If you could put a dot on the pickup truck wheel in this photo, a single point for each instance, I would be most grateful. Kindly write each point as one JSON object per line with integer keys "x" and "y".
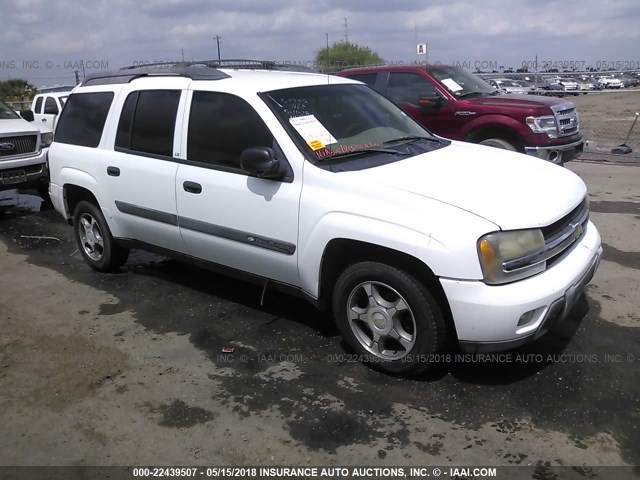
{"x": 498, "y": 143}
{"x": 94, "y": 239}
{"x": 389, "y": 318}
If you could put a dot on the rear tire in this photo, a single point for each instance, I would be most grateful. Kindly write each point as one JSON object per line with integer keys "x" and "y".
{"x": 388, "y": 318}
{"x": 498, "y": 143}
{"x": 94, "y": 239}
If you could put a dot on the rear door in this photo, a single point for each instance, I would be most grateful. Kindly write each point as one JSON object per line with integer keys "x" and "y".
{"x": 139, "y": 174}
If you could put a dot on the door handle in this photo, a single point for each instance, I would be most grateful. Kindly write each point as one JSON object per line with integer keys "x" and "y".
{"x": 44, "y": 119}
{"x": 113, "y": 171}
{"x": 192, "y": 187}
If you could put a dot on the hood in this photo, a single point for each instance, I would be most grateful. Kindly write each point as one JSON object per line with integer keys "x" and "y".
{"x": 17, "y": 126}
{"x": 517, "y": 101}
{"x": 511, "y": 190}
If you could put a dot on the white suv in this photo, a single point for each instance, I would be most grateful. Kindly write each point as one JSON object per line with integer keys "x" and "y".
{"x": 321, "y": 186}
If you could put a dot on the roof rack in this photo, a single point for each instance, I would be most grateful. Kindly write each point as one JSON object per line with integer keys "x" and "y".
{"x": 237, "y": 63}
{"x": 196, "y": 70}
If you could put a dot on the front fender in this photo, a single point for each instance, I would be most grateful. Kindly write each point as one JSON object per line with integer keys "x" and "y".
{"x": 334, "y": 225}
{"x": 494, "y": 121}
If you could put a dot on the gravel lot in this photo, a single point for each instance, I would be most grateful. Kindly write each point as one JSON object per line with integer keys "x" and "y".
{"x": 128, "y": 369}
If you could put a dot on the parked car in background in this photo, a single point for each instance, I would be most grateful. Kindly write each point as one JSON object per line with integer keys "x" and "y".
{"x": 320, "y": 186}
{"x": 585, "y": 84}
{"x": 550, "y": 85}
{"x": 454, "y": 103}
{"x": 46, "y": 107}
{"x": 23, "y": 148}
{"x": 506, "y": 85}
{"x": 569, "y": 85}
{"x": 609, "y": 83}
{"x": 629, "y": 81}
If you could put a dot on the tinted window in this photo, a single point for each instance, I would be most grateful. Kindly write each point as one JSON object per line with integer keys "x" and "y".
{"x": 83, "y": 117}
{"x": 123, "y": 135}
{"x": 221, "y": 126}
{"x": 368, "y": 78}
{"x": 148, "y": 120}
{"x": 38, "y": 105}
{"x": 405, "y": 87}
{"x": 50, "y": 106}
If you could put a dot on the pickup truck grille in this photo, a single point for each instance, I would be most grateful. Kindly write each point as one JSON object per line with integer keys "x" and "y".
{"x": 559, "y": 237}
{"x": 567, "y": 119}
{"x": 18, "y": 145}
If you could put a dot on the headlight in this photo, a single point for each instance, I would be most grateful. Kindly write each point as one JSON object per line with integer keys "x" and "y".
{"x": 46, "y": 139}
{"x": 509, "y": 256}
{"x": 545, "y": 124}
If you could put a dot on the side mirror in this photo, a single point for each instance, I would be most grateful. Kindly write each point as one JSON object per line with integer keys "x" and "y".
{"x": 431, "y": 101}
{"x": 27, "y": 115}
{"x": 260, "y": 162}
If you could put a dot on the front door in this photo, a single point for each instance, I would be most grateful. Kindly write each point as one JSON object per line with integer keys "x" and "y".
{"x": 226, "y": 216}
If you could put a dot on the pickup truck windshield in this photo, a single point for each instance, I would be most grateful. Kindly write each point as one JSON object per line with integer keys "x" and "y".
{"x": 340, "y": 121}
{"x": 6, "y": 112}
{"x": 460, "y": 82}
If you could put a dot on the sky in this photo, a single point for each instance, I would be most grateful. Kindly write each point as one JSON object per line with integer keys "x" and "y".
{"x": 44, "y": 41}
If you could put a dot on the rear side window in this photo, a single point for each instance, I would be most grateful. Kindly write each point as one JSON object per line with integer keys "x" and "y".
{"x": 50, "y": 106}
{"x": 147, "y": 122}
{"x": 368, "y": 78}
{"x": 82, "y": 119}
{"x": 38, "y": 106}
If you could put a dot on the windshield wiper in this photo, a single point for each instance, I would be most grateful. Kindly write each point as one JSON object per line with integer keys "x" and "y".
{"x": 410, "y": 138}
{"x": 363, "y": 151}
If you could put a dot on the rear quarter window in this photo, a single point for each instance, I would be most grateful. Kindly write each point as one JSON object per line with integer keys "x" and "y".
{"x": 82, "y": 120}
{"x": 368, "y": 78}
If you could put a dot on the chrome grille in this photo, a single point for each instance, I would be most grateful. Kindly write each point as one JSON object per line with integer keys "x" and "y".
{"x": 567, "y": 119}
{"x": 558, "y": 238}
{"x": 18, "y": 145}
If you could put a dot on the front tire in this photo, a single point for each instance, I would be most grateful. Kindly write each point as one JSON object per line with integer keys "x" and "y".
{"x": 94, "y": 239}
{"x": 388, "y": 318}
{"x": 498, "y": 143}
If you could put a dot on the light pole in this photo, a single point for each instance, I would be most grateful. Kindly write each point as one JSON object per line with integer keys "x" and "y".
{"x": 217, "y": 39}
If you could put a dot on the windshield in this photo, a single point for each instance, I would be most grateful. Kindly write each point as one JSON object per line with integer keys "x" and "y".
{"x": 460, "y": 82}
{"x": 338, "y": 121}
{"x": 6, "y": 112}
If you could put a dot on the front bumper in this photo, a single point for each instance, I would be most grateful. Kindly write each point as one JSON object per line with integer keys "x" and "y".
{"x": 24, "y": 172}
{"x": 557, "y": 154}
{"x": 486, "y": 317}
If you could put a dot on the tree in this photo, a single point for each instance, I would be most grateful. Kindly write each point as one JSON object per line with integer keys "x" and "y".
{"x": 16, "y": 90}
{"x": 343, "y": 55}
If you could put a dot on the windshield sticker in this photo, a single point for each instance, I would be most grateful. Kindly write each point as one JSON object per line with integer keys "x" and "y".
{"x": 345, "y": 149}
{"x": 451, "y": 84}
{"x": 313, "y": 132}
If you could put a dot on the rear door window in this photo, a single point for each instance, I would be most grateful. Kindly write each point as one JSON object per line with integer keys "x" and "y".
{"x": 147, "y": 122}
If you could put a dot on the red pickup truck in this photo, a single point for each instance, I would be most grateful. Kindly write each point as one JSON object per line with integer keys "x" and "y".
{"x": 456, "y": 104}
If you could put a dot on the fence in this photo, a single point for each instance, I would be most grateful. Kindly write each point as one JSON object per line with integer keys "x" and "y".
{"x": 605, "y": 121}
